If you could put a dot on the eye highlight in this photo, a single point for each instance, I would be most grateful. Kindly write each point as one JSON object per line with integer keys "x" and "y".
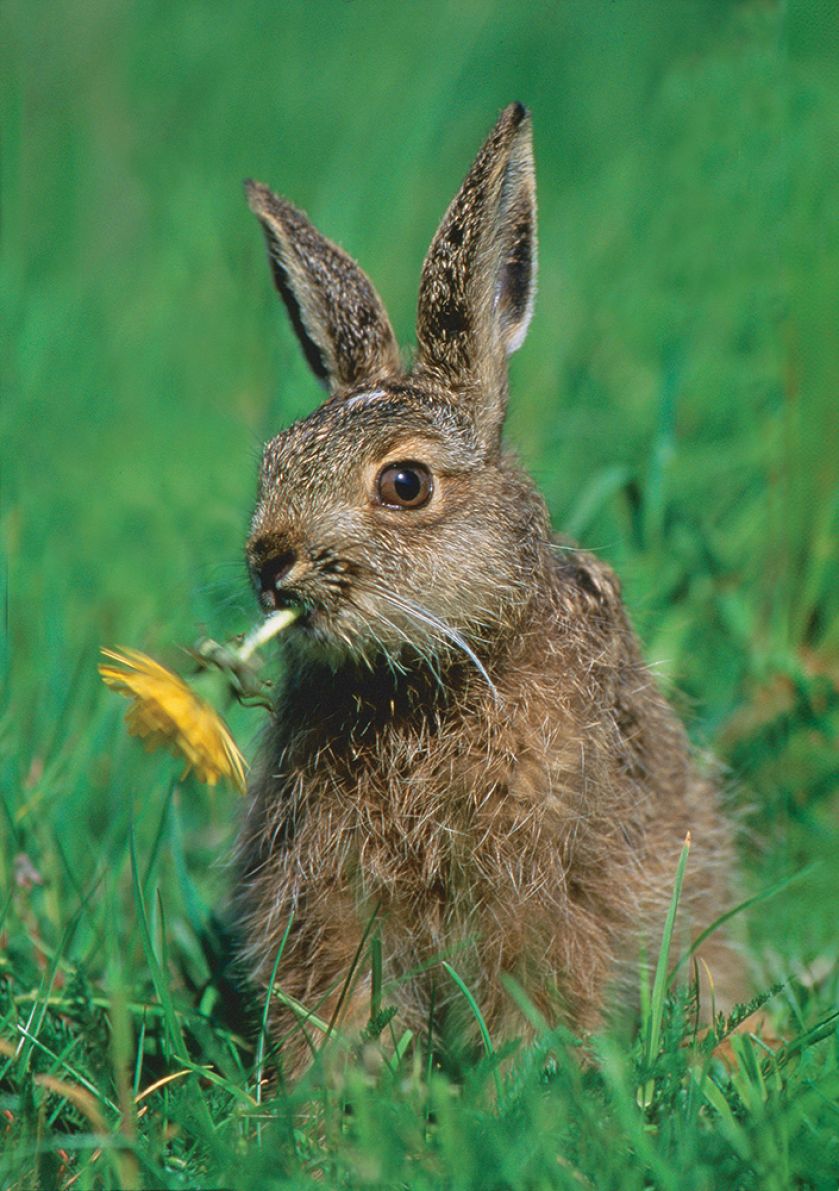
{"x": 404, "y": 485}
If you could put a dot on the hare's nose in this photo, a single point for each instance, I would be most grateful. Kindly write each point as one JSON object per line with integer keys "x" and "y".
{"x": 271, "y": 576}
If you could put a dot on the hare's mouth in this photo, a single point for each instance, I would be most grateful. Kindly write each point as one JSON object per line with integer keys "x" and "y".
{"x": 276, "y": 599}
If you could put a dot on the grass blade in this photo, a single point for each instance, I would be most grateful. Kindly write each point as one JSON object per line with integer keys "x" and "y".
{"x": 353, "y": 967}
{"x": 174, "y": 1032}
{"x": 375, "y": 977}
{"x": 263, "y": 1026}
{"x": 479, "y": 1018}
{"x": 660, "y": 983}
{"x": 755, "y": 900}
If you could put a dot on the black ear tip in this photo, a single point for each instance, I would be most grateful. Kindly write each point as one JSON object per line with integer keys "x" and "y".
{"x": 259, "y": 196}
{"x": 517, "y": 113}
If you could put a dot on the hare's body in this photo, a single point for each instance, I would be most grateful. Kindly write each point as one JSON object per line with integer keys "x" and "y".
{"x": 467, "y": 746}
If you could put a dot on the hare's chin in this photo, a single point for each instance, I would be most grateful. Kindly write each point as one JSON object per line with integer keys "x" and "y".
{"x": 315, "y": 640}
{"x": 335, "y": 638}
{"x": 316, "y": 625}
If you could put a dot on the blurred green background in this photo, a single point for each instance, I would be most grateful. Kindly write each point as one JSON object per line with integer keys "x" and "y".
{"x": 676, "y": 398}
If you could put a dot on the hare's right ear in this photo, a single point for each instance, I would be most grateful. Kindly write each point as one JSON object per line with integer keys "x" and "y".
{"x": 479, "y": 277}
{"x": 336, "y": 313}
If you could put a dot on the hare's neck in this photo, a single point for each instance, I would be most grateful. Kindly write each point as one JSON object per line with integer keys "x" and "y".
{"x": 353, "y": 701}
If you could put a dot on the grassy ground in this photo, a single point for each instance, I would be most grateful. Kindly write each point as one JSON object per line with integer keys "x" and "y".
{"x": 676, "y": 399}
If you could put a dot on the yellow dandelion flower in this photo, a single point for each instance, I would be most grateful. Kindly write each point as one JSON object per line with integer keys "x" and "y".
{"x": 165, "y": 711}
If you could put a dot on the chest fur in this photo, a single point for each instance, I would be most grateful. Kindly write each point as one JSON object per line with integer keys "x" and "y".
{"x": 427, "y": 828}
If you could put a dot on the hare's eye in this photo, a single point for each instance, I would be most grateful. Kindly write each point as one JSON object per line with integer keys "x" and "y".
{"x": 404, "y": 485}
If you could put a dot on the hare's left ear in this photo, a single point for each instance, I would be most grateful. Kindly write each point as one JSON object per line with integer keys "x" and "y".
{"x": 336, "y": 313}
{"x": 479, "y": 278}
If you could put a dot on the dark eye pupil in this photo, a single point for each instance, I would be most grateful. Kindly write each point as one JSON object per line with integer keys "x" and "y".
{"x": 407, "y": 485}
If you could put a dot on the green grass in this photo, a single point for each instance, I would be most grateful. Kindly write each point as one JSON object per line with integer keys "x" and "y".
{"x": 676, "y": 400}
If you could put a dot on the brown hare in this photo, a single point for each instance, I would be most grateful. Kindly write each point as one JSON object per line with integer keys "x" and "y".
{"x": 466, "y": 744}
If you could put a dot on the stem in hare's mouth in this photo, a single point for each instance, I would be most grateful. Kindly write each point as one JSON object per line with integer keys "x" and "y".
{"x": 273, "y": 624}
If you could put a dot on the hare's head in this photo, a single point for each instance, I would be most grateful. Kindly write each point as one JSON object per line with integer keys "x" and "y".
{"x": 390, "y": 515}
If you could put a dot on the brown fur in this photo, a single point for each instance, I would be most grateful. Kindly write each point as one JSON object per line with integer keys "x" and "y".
{"x": 467, "y": 742}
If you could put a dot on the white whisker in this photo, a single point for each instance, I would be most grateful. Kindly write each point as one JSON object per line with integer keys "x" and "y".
{"x": 425, "y": 617}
